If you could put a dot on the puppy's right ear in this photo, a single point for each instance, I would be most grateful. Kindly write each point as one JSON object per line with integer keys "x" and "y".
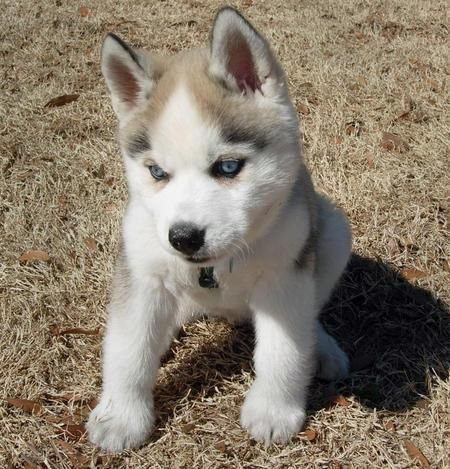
{"x": 125, "y": 75}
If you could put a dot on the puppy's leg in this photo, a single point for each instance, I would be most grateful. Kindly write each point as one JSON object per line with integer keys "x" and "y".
{"x": 334, "y": 246}
{"x": 333, "y": 251}
{"x": 333, "y": 363}
{"x": 285, "y": 315}
{"x": 141, "y": 317}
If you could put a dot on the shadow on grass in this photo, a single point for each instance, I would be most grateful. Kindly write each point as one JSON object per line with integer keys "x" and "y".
{"x": 396, "y": 334}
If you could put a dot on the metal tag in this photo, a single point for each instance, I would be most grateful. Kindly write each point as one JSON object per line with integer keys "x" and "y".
{"x": 206, "y": 278}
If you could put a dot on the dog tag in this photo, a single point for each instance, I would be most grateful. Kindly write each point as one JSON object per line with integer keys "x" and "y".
{"x": 206, "y": 278}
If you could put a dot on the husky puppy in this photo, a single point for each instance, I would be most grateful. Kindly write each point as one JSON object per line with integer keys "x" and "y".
{"x": 222, "y": 219}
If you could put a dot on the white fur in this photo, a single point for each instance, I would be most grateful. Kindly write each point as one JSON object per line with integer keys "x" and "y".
{"x": 260, "y": 225}
{"x": 282, "y": 302}
{"x": 134, "y": 341}
{"x": 283, "y": 306}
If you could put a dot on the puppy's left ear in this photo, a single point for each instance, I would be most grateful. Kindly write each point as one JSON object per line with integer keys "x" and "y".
{"x": 241, "y": 58}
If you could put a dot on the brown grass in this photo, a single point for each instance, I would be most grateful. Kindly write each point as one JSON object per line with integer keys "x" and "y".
{"x": 357, "y": 69}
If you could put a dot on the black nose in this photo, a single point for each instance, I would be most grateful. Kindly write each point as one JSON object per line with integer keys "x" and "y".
{"x": 186, "y": 238}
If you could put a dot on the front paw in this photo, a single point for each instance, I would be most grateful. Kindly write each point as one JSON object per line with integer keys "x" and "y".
{"x": 116, "y": 425}
{"x": 270, "y": 419}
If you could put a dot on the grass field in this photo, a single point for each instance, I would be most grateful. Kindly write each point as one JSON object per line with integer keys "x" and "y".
{"x": 370, "y": 80}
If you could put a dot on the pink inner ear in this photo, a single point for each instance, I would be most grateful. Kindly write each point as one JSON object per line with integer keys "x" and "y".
{"x": 241, "y": 65}
{"x": 125, "y": 82}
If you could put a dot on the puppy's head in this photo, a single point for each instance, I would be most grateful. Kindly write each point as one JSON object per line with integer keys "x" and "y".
{"x": 209, "y": 137}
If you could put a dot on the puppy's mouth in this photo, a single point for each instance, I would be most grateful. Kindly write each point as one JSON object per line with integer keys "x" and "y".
{"x": 201, "y": 260}
{"x": 204, "y": 261}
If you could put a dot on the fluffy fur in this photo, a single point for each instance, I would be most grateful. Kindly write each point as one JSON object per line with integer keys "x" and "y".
{"x": 277, "y": 247}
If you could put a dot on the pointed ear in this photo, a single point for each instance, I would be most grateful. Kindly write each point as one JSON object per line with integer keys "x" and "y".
{"x": 240, "y": 57}
{"x": 124, "y": 72}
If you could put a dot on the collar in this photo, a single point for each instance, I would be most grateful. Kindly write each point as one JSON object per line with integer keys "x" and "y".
{"x": 206, "y": 278}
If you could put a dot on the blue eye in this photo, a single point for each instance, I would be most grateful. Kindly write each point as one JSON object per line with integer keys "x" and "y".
{"x": 157, "y": 172}
{"x": 227, "y": 168}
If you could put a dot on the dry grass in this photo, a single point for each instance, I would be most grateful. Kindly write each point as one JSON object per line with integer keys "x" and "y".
{"x": 383, "y": 65}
